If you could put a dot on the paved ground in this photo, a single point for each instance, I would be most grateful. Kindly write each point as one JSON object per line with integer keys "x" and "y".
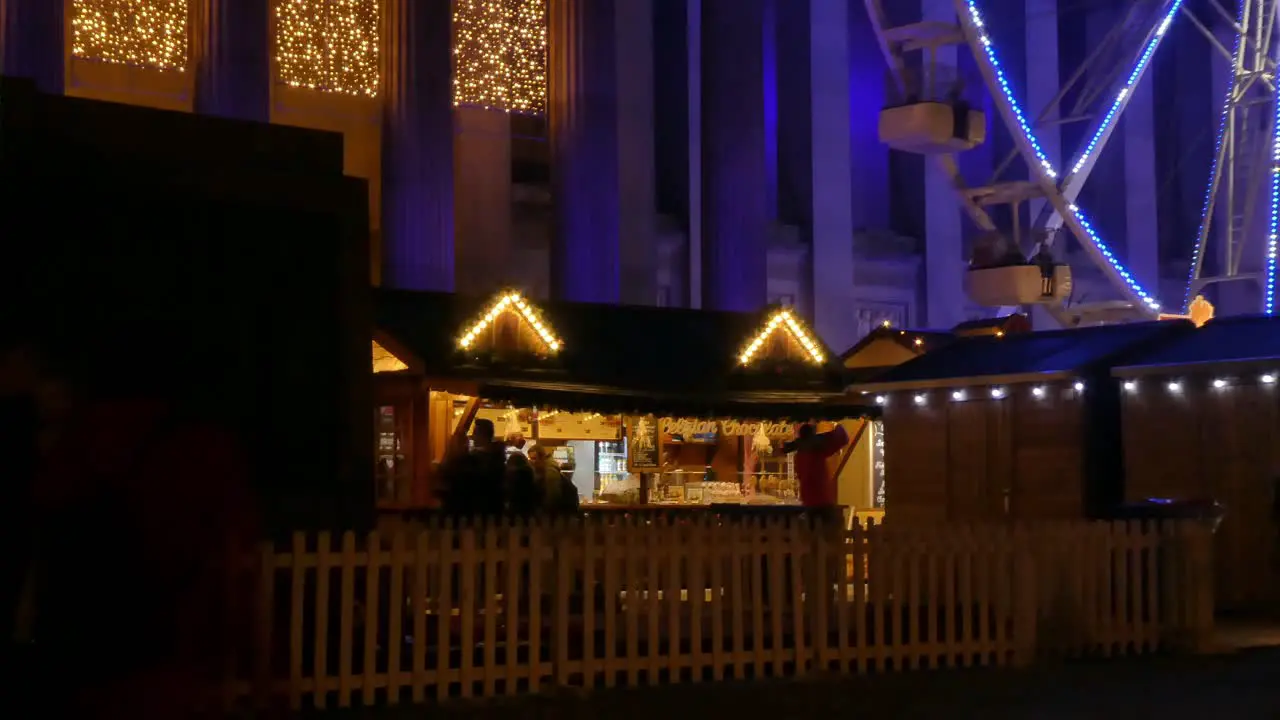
{"x": 1241, "y": 686}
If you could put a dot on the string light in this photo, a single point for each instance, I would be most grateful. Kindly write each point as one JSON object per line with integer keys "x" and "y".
{"x": 997, "y": 393}
{"x": 500, "y": 55}
{"x": 957, "y": 395}
{"x": 881, "y": 399}
{"x": 977, "y": 27}
{"x": 1175, "y": 387}
{"x": 1130, "y": 386}
{"x": 511, "y": 302}
{"x": 142, "y": 33}
{"x": 784, "y": 319}
{"x": 1219, "y": 383}
{"x": 920, "y": 399}
{"x": 1268, "y": 379}
{"x": 1079, "y": 386}
{"x": 1038, "y": 391}
{"x": 329, "y": 45}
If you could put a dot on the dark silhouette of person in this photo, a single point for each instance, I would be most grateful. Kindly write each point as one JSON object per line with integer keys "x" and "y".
{"x": 476, "y": 482}
{"x": 988, "y": 250}
{"x": 148, "y": 508}
{"x": 522, "y": 492}
{"x": 1044, "y": 260}
{"x": 559, "y": 494}
{"x": 452, "y": 475}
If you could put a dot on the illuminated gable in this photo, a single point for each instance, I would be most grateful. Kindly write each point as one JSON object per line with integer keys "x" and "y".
{"x": 784, "y": 336}
{"x": 139, "y": 33}
{"x": 500, "y": 54}
{"x": 386, "y": 361}
{"x": 510, "y": 323}
{"x": 329, "y": 45}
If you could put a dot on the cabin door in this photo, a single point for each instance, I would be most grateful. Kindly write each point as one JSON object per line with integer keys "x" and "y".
{"x": 978, "y": 461}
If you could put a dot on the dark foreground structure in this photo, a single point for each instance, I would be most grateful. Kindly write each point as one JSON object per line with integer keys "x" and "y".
{"x": 224, "y": 263}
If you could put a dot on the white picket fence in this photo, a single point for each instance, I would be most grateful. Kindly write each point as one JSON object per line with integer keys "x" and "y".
{"x": 518, "y": 607}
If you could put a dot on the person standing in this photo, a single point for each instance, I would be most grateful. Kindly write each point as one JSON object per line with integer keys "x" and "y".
{"x": 817, "y": 487}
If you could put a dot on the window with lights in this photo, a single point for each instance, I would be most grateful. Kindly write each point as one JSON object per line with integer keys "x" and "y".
{"x": 329, "y": 45}
{"x": 500, "y": 55}
{"x": 150, "y": 34}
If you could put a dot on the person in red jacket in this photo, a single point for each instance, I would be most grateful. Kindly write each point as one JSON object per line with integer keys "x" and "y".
{"x": 817, "y": 487}
{"x": 143, "y": 521}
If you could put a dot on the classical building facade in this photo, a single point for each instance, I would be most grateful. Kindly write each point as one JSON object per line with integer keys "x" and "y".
{"x": 595, "y": 150}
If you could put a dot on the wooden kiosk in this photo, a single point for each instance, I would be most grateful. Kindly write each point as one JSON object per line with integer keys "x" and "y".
{"x": 642, "y": 405}
{"x": 1201, "y": 419}
{"x": 1022, "y": 426}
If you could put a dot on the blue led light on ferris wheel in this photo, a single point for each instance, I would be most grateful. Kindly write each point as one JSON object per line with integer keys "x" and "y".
{"x": 1109, "y": 119}
{"x": 1269, "y": 279}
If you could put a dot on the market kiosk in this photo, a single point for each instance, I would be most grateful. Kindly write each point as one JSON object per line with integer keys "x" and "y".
{"x": 642, "y": 406}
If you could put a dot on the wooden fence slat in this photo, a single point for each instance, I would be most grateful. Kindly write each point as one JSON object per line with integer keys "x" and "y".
{"x": 491, "y": 559}
{"x": 297, "y": 596}
{"x": 717, "y": 558}
{"x": 590, "y": 665}
{"x": 320, "y": 655}
{"x": 372, "y": 604}
{"x": 444, "y": 610}
{"x": 662, "y": 593}
{"x": 418, "y": 606}
{"x": 346, "y": 620}
{"x": 613, "y": 542}
{"x": 395, "y": 618}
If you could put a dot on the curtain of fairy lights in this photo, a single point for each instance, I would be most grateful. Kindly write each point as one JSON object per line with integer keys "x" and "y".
{"x": 329, "y": 45}
{"x": 140, "y": 33}
{"x": 500, "y": 54}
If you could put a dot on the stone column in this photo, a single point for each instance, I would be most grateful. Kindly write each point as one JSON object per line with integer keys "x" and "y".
{"x": 637, "y": 193}
{"x": 585, "y": 259}
{"x": 693, "y": 16}
{"x": 735, "y": 170}
{"x": 417, "y": 146}
{"x": 33, "y": 43}
{"x": 944, "y": 262}
{"x": 832, "y": 171}
{"x": 870, "y": 157}
{"x": 483, "y": 201}
{"x": 233, "y": 59}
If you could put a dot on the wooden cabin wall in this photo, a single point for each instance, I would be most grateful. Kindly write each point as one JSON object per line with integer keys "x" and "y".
{"x": 1162, "y": 452}
{"x": 1214, "y": 443}
{"x": 1048, "y": 458}
{"x": 1017, "y": 457}
{"x": 915, "y": 459}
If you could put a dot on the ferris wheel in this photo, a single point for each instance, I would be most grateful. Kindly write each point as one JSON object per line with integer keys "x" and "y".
{"x": 1028, "y": 207}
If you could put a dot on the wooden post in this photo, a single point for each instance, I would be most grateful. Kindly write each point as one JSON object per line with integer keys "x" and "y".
{"x": 1199, "y": 545}
{"x": 1026, "y": 609}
